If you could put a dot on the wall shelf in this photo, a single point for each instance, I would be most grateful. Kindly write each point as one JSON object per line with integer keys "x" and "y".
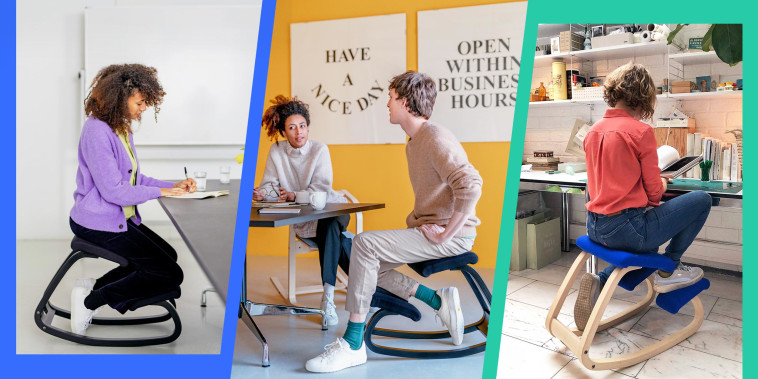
{"x": 699, "y": 57}
{"x": 630, "y": 51}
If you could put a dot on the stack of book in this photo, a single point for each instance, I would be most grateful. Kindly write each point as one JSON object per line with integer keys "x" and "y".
{"x": 724, "y": 155}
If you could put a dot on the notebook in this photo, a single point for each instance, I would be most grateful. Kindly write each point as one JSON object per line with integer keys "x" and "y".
{"x": 279, "y": 210}
{"x": 671, "y": 165}
{"x": 202, "y": 195}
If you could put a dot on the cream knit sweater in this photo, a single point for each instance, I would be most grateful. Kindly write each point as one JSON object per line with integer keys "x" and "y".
{"x": 308, "y": 168}
{"x": 442, "y": 178}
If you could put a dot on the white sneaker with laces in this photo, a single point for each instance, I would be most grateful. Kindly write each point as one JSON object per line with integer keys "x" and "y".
{"x": 450, "y": 313}
{"x": 81, "y": 316}
{"x": 338, "y": 356}
{"x": 327, "y": 305}
{"x": 682, "y": 277}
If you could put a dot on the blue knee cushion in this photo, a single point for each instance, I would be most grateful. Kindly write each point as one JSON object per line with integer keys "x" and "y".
{"x": 625, "y": 259}
{"x": 156, "y": 299}
{"x": 434, "y": 266}
{"x": 385, "y": 300}
{"x": 673, "y": 301}
{"x": 79, "y": 244}
{"x": 632, "y": 279}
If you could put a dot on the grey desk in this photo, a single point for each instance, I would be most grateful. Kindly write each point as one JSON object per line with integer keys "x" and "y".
{"x": 247, "y": 308}
{"x": 207, "y": 227}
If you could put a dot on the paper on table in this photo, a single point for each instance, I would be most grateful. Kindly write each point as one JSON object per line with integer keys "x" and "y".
{"x": 202, "y": 195}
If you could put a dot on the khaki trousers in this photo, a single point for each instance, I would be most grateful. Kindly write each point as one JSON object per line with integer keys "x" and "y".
{"x": 375, "y": 254}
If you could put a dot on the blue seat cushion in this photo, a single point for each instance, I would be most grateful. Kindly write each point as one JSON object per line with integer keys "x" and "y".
{"x": 673, "y": 301}
{"x": 78, "y": 244}
{"x": 625, "y": 259}
{"x": 385, "y": 300}
{"x": 156, "y": 299}
{"x": 427, "y": 268}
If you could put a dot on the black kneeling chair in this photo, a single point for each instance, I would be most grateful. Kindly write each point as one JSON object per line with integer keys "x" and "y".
{"x": 46, "y": 311}
{"x": 390, "y": 304}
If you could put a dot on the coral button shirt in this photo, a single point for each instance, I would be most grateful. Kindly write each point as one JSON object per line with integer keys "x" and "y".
{"x": 622, "y": 164}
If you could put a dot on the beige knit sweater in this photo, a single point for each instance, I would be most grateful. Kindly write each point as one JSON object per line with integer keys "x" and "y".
{"x": 442, "y": 178}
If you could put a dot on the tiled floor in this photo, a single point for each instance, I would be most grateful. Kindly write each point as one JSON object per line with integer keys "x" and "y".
{"x": 528, "y": 350}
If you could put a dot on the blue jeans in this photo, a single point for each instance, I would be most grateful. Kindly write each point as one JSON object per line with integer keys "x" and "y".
{"x": 640, "y": 231}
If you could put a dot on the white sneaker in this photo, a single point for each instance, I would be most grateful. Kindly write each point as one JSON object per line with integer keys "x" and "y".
{"x": 327, "y": 305}
{"x": 589, "y": 291}
{"x": 338, "y": 356}
{"x": 682, "y": 277}
{"x": 81, "y": 316}
{"x": 450, "y": 313}
{"x": 88, "y": 283}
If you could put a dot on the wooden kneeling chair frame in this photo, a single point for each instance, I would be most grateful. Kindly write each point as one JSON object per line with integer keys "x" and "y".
{"x": 46, "y": 311}
{"x": 580, "y": 342}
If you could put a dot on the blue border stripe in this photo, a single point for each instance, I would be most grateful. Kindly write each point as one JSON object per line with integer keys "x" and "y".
{"x": 255, "y": 114}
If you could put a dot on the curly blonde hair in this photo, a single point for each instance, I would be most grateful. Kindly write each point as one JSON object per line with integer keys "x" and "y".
{"x": 282, "y": 107}
{"x": 632, "y": 84}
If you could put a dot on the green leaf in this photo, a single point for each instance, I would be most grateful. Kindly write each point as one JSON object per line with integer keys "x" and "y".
{"x": 727, "y": 41}
{"x": 674, "y": 32}
{"x": 707, "y": 39}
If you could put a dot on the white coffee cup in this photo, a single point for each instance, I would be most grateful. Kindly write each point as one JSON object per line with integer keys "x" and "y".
{"x": 302, "y": 197}
{"x": 318, "y": 200}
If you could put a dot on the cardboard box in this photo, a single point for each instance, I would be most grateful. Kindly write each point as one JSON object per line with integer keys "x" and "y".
{"x": 543, "y": 243}
{"x": 518, "y": 249}
{"x": 613, "y": 40}
{"x": 571, "y": 41}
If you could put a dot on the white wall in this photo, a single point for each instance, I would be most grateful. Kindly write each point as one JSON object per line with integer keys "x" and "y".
{"x": 50, "y": 53}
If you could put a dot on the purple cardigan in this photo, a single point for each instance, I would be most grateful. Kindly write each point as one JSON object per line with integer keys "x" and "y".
{"x": 103, "y": 180}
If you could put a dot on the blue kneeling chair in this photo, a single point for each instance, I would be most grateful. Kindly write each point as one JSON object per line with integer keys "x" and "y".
{"x": 631, "y": 270}
{"x": 46, "y": 311}
{"x": 390, "y": 304}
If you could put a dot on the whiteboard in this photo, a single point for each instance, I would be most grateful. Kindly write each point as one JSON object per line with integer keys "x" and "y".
{"x": 205, "y": 59}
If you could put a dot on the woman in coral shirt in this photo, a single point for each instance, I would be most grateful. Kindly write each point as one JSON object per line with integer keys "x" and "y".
{"x": 625, "y": 188}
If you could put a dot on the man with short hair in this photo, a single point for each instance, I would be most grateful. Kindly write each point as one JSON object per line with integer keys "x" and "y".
{"x": 442, "y": 224}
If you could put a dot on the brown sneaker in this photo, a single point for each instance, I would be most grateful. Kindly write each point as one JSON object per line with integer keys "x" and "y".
{"x": 589, "y": 291}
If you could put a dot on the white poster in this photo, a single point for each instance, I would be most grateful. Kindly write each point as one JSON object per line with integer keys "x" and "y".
{"x": 341, "y": 69}
{"x": 474, "y": 55}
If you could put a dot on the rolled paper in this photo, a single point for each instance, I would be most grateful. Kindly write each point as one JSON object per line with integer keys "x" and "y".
{"x": 646, "y": 36}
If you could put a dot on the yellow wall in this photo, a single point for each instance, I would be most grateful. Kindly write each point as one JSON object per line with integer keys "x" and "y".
{"x": 378, "y": 173}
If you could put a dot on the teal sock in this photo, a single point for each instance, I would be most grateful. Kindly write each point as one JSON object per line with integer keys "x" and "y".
{"x": 354, "y": 334}
{"x": 429, "y": 296}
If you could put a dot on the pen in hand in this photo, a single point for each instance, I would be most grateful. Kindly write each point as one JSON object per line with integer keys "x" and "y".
{"x": 185, "y": 173}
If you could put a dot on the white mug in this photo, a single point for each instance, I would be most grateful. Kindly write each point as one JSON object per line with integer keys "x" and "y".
{"x": 318, "y": 200}
{"x": 302, "y": 197}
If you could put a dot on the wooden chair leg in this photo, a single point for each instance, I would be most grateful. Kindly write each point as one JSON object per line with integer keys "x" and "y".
{"x": 652, "y": 350}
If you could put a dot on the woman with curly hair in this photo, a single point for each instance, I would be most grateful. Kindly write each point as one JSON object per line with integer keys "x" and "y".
{"x": 109, "y": 185}
{"x": 299, "y": 164}
{"x": 625, "y": 188}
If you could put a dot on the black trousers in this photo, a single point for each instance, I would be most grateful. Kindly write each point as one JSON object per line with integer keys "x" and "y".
{"x": 333, "y": 247}
{"x": 152, "y": 268}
